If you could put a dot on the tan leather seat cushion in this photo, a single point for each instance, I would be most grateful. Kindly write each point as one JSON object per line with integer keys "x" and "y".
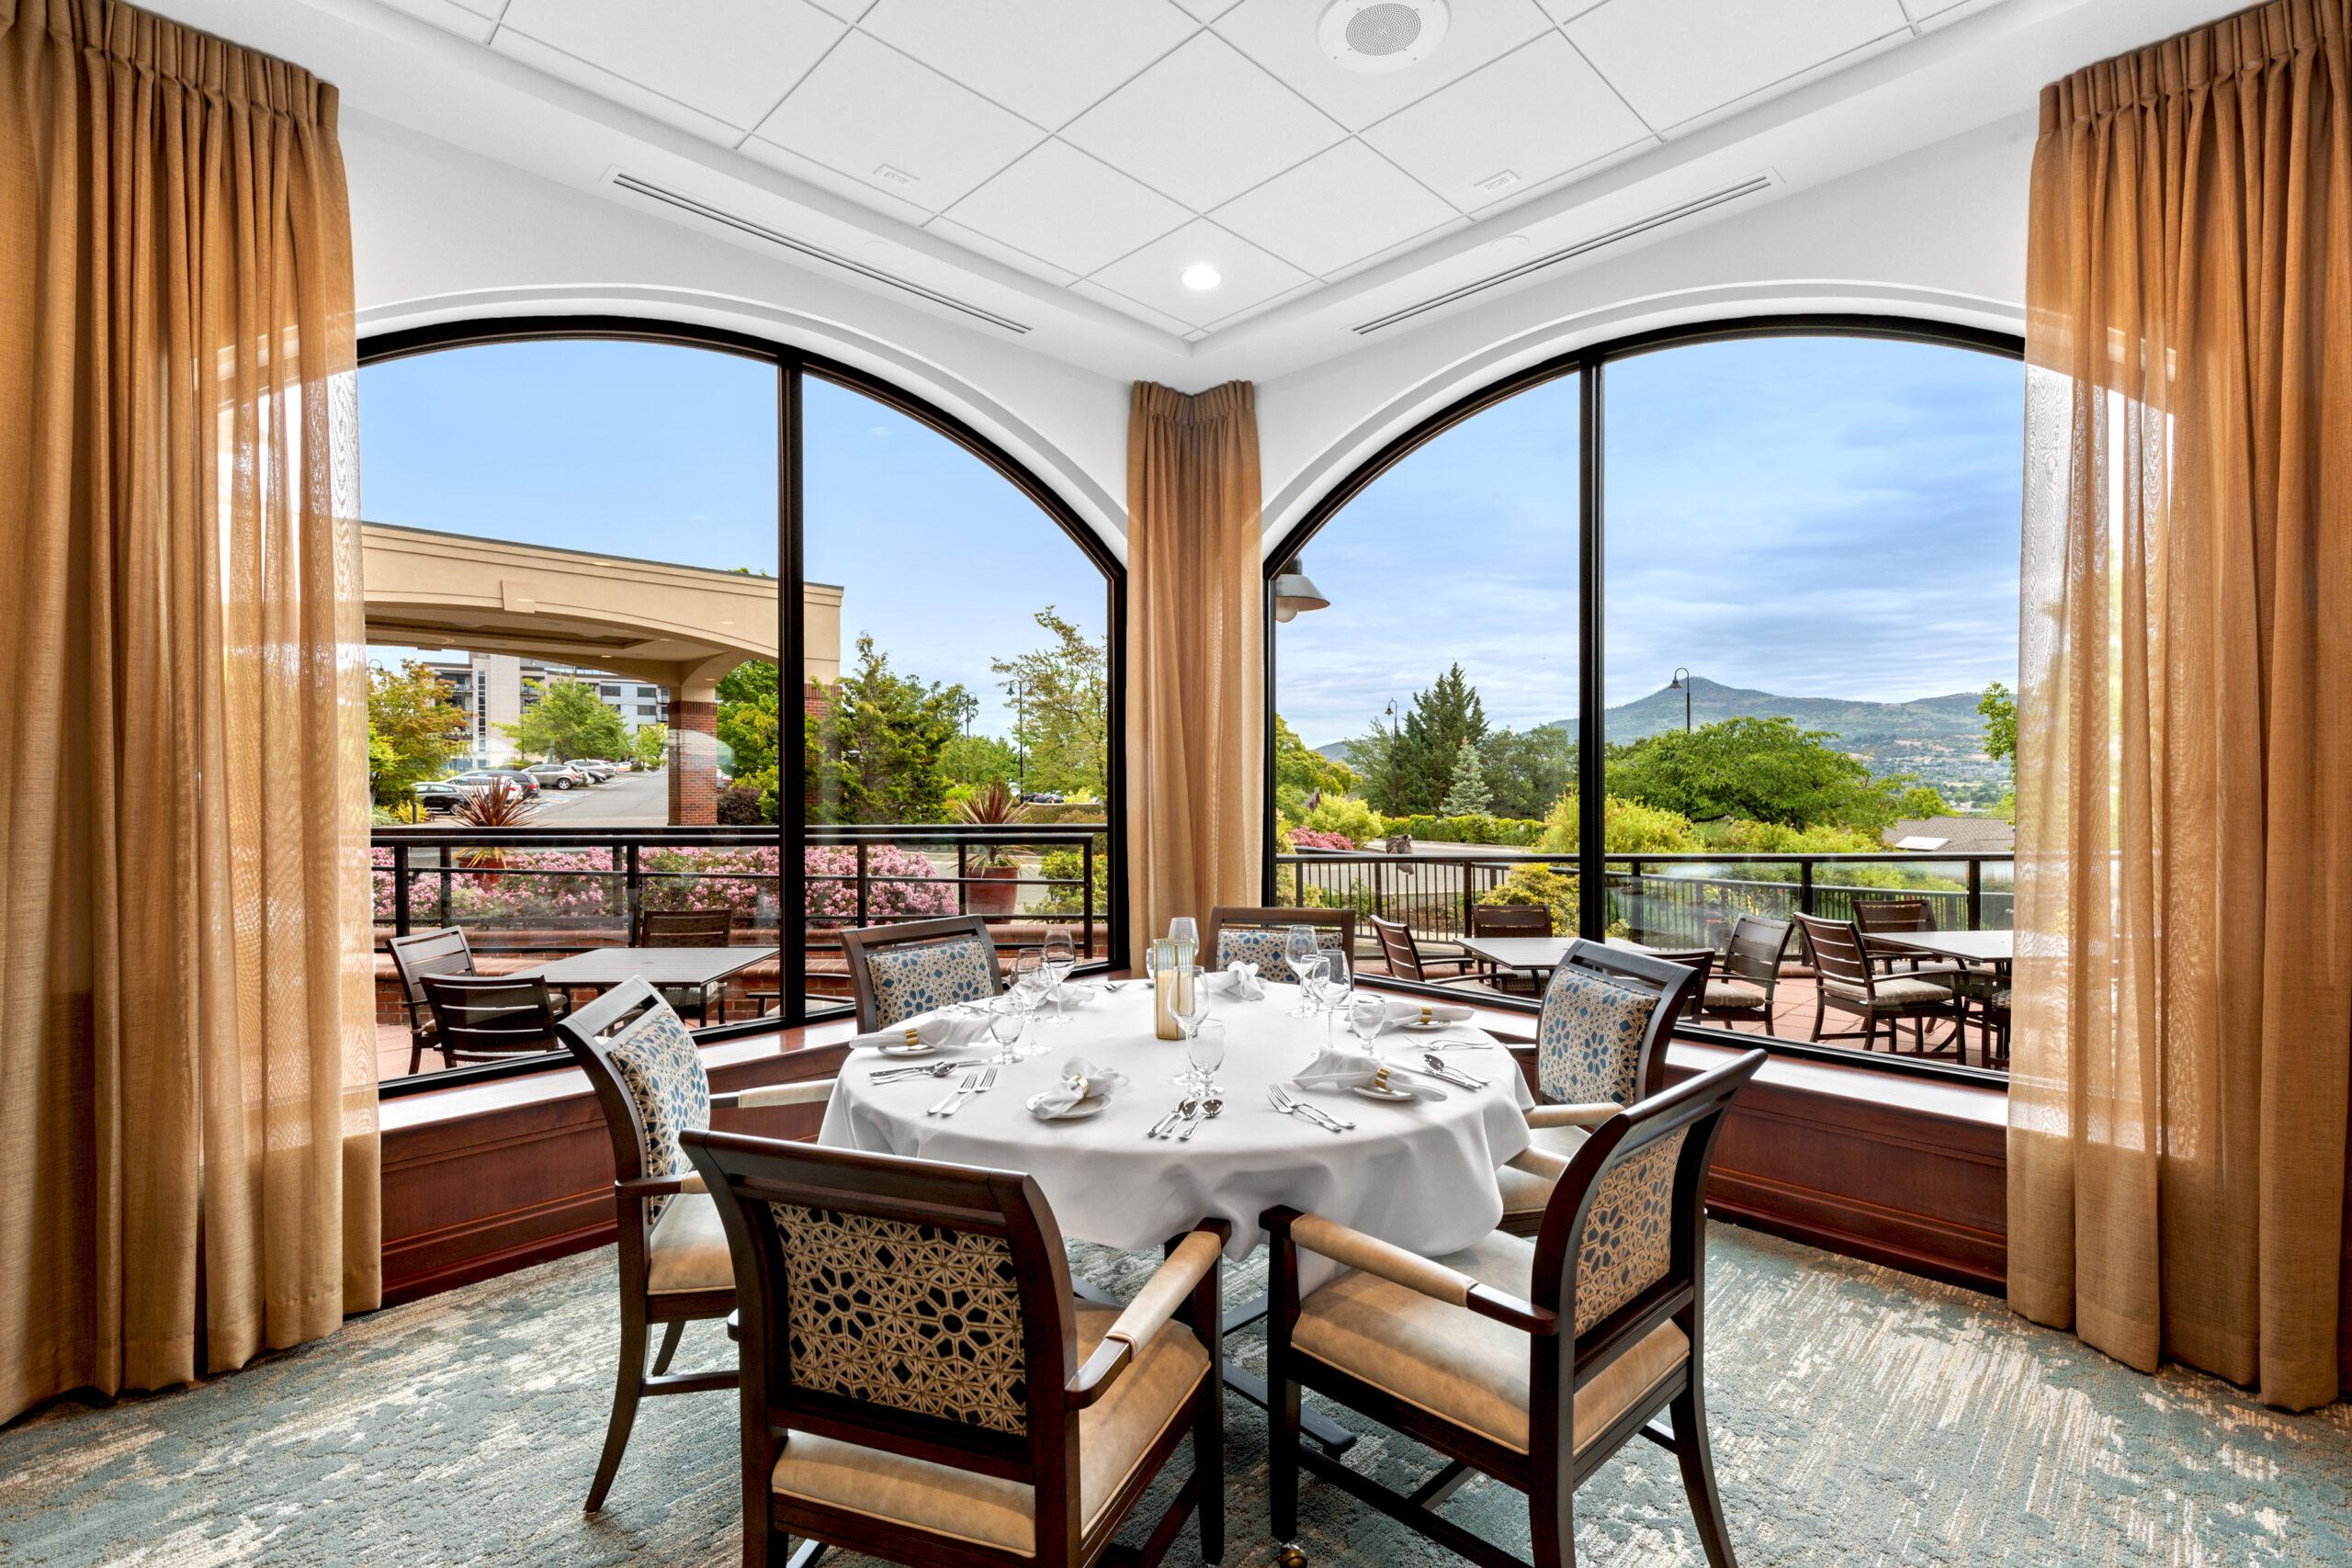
{"x": 1525, "y": 1192}
{"x": 1112, "y": 1438}
{"x": 1729, "y": 994}
{"x": 1469, "y": 1369}
{"x": 687, "y": 1250}
{"x": 1898, "y": 991}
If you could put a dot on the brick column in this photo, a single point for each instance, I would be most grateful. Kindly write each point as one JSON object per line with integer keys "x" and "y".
{"x": 694, "y": 762}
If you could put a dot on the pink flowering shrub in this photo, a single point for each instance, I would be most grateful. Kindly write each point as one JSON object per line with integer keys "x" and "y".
{"x": 897, "y": 882}
{"x": 1315, "y": 839}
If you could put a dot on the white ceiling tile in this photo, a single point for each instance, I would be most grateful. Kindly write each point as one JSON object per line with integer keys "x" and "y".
{"x": 1020, "y": 260}
{"x": 729, "y": 58}
{"x": 1280, "y": 36}
{"x": 1208, "y": 10}
{"x": 1049, "y": 60}
{"x": 1262, "y": 307}
{"x": 1535, "y": 114}
{"x": 1068, "y": 208}
{"x": 1136, "y": 308}
{"x": 466, "y": 21}
{"x": 1334, "y": 209}
{"x": 1561, "y": 10}
{"x": 867, "y": 108}
{"x": 847, "y": 10}
{"x": 1151, "y": 276}
{"x": 618, "y": 89}
{"x": 1414, "y": 243}
{"x": 1930, "y": 15}
{"x": 865, "y": 193}
{"x": 1676, "y": 58}
{"x": 1203, "y": 125}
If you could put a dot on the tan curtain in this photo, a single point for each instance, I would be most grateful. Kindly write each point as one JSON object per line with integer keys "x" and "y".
{"x": 187, "y": 1142}
{"x": 1196, "y": 699}
{"x": 2178, "y": 1108}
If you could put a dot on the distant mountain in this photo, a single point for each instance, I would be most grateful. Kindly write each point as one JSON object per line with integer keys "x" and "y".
{"x": 1941, "y": 739}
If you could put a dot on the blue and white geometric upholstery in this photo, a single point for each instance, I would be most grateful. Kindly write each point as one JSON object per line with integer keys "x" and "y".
{"x": 923, "y": 976}
{"x": 1589, "y": 1041}
{"x": 657, "y": 1062}
{"x": 1264, "y": 945}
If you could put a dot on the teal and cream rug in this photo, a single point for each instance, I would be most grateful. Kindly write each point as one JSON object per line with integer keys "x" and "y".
{"x": 1862, "y": 1417}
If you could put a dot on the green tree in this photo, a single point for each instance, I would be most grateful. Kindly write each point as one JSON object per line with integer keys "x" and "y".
{"x": 872, "y": 754}
{"x": 1407, "y": 774}
{"x": 1300, "y": 772}
{"x": 414, "y": 731}
{"x": 1528, "y": 770}
{"x": 1999, "y": 710}
{"x": 1629, "y": 828}
{"x": 750, "y": 721}
{"x": 1467, "y": 794}
{"x": 1059, "y": 697}
{"x": 1766, "y": 769}
{"x": 1375, "y": 757}
{"x": 977, "y": 759}
{"x": 648, "y": 747}
{"x": 568, "y": 720}
{"x": 1922, "y": 801}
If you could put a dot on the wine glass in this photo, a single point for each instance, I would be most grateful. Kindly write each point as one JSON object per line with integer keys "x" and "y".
{"x": 1059, "y": 957}
{"x": 1367, "y": 1016}
{"x": 1334, "y": 987}
{"x": 1006, "y": 1023}
{"x": 1300, "y": 949}
{"x": 1185, "y": 929}
{"x": 1187, "y": 1001}
{"x": 1205, "y": 1049}
{"x": 1030, "y": 982}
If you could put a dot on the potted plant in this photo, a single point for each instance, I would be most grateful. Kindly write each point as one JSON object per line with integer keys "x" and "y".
{"x": 994, "y": 864}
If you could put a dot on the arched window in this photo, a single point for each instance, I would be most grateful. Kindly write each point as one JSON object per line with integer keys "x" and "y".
{"x": 1712, "y": 624}
{"x": 750, "y": 648}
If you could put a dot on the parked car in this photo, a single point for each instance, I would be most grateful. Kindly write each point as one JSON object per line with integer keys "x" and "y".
{"x": 480, "y": 778}
{"x": 560, "y": 775}
{"x": 597, "y": 768}
{"x": 1042, "y": 798}
{"x": 437, "y": 794}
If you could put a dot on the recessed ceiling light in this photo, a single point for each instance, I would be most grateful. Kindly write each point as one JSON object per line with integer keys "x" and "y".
{"x": 1200, "y": 276}
{"x": 1380, "y": 36}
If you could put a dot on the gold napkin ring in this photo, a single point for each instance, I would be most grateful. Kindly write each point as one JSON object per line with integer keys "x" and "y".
{"x": 914, "y": 1036}
{"x": 1380, "y": 1079}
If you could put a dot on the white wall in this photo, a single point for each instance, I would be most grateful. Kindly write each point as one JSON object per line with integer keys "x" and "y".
{"x": 1938, "y": 233}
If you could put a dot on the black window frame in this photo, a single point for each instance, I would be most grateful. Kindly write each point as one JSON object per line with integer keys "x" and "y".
{"x": 1590, "y": 364}
{"x": 793, "y": 366}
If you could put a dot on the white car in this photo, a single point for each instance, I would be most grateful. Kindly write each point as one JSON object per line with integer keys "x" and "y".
{"x": 558, "y": 775}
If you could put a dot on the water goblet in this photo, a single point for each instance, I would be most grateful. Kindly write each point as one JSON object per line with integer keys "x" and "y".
{"x": 1006, "y": 1023}
{"x": 1205, "y": 1050}
{"x": 1333, "y": 987}
{"x": 1059, "y": 957}
{"x": 1188, "y": 1002}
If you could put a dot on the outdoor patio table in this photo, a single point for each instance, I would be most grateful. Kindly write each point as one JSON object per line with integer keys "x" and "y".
{"x": 1997, "y": 948}
{"x": 1539, "y": 955}
{"x": 600, "y": 969}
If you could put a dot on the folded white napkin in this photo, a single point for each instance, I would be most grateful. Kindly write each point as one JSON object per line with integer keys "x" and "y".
{"x": 1077, "y": 993}
{"x": 1237, "y": 980}
{"x": 946, "y": 1030}
{"x": 1337, "y": 1068}
{"x": 1080, "y": 1081}
{"x": 1392, "y": 1011}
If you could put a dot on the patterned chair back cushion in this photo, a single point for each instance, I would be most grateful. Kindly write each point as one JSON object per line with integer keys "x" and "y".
{"x": 1589, "y": 1041}
{"x": 922, "y": 976}
{"x": 656, "y": 1061}
{"x": 1263, "y": 946}
{"x": 914, "y": 1317}
{"x": 1628, "y": 1243}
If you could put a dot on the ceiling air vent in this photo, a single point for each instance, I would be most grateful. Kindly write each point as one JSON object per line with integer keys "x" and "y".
{"x": 1585, "y": 247}
{"x": 1379, "y": 36}
{"x": 758, "y": 230}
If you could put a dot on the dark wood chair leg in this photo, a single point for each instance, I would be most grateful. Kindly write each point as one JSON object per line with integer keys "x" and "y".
{"x": 629, "y": 1386}
{"x": 1698, "y": 1460}
{"x": 1820, "y": 1012}
{"x": 670, "y": 1338}
{"x": 1552, "y": 1531}
{"x": 1208, "y": 1464}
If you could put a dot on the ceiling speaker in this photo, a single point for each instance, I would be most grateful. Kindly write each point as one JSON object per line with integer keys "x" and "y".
{"x": 1377, "y": 35}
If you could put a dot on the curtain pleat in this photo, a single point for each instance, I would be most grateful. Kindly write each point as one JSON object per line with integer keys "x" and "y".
{"x": 2179, "y": 1087}
{"x": 187, "y": 1134}
{"x": 1196, "y": 700}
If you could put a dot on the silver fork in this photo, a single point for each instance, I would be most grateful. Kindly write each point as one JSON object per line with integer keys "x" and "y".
{"x": 1318, "y": 1112}
{"x": 964, "y": 1086}
{"x": 893, "y": 1075}
{"x": 1290, "y": 1106}
{"x": 987, "y": 1082}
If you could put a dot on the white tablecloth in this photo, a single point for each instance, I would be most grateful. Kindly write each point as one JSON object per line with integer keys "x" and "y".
{"x": 1421, "y": 1175}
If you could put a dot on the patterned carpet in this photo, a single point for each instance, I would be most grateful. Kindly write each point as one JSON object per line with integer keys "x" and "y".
{"x": 1862, "y": 1418}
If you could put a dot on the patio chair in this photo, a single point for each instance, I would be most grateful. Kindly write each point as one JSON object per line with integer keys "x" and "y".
{"x": 1533, "y": 1362}
{"x": 674, "y": 1265}
{"x": 1848, "y": 980}
{"x": 1403, "y": 951}
{"x": 1256, "y": 933}
{"x": 490, "y": 1018}
{"x": 690, "y": 928}
{"x": 920, "y": 1385}
{"x": 1599, "y": 1046}
{"x": 422, "y": 953}
{"x": 1901, "y": 914}
{"x": 1700, "y": 959}
{"x": 899, "y": 971}
{"x": 1508, "y": 920}
{"x": 1750, "y": 970}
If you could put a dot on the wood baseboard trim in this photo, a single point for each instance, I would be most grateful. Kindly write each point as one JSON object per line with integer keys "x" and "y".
{"x": 1956, "y": 1254}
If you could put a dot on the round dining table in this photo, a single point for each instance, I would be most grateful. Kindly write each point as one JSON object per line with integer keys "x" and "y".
{"x": 1418, "y": 1173}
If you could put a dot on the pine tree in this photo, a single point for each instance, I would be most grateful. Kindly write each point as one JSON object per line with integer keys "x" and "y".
{"x": 1443, "y": 716}
{"x": 1467, "y": 795}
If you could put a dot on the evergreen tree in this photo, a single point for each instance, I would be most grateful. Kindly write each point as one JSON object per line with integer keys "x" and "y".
{"x": 873, "y": 755}
{"x": 1467, "y": 794}
{"x": 1443, "y": 717}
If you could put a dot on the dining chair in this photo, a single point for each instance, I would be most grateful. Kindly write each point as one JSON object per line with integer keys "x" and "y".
{"x": 920, "y": 1384}
{"x": 1510, "y": 921}
{"x": 690, "y": 928}
{"x": 1239, "y": 933}
{"x": 1848, "y": 981}
{"x": 1402, "y": 950}
{"x": 422, "y": 953}
{"x": 899, "y": 971}
{"x": 1530, "y": 1359}
{"x": 1599, "y": 1046}
{"x": 490, "y": 1018}
{"x": 1751, "y": 971}
{"x": 648, "y": 1079}
{"x": 1702, "y": 960}
{"x": 1906, "y": 913}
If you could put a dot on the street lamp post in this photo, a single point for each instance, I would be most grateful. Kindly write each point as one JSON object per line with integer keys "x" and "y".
{"x": 1021, "y": 736}
{"x": 1681, "y": 682}
{"x": 1393, "y": 803}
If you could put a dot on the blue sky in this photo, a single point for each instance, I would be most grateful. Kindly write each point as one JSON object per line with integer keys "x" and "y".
{"x": 670, "y": 453}
{"x": 1813, "y": 517}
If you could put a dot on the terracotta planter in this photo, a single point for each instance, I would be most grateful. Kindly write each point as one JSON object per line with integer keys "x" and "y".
{"x": 992, "y": 891}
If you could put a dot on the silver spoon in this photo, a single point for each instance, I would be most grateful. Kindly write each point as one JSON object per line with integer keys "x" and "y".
{"x": 892, "y": 1075}
{"x": 1208, "y": 1108}
{"x": 1159, "y": 1129}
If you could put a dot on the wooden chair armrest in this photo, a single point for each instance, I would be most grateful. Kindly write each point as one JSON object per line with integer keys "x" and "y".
{"x": 1591, "y": 1115}
{"x": 1193, "y": 1261}
{"x": 661, "y": 1186}
{"x": 809, "y": 1091}
{"x": 1539, "y": 1162}
{"x": 1425, "y": 1276}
